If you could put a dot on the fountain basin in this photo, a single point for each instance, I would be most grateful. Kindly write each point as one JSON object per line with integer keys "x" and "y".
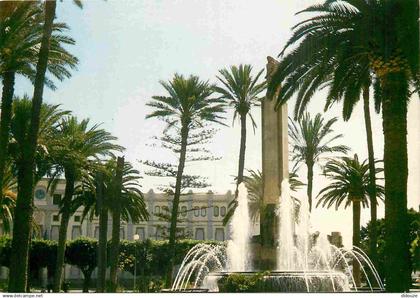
{"x": 277, "y": 281}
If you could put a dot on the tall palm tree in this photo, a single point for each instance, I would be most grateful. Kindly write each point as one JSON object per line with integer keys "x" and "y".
{"x": 20, "y": 125}
{"x": 242, "y": 91}
{"x": 188, "y": 105}
{"x": 350, "y": 185}
{"x": 387, "y": 33}
{"x": 131, "y": 200}
{"x": 312, "y": 138}
{"x": 21, "y": 35}
{"x": 22, "y": 220}
{"x": 76, "y": 144}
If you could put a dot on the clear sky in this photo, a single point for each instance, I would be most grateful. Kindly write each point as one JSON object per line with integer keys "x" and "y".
{"x": 126, "y": 47}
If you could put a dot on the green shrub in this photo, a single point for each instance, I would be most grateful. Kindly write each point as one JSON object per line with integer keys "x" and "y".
{"x": 235, "y": 283}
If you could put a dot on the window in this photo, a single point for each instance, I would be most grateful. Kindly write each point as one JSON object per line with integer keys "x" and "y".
{"x": 122, "y": 233}
{"x": 223, "y": 211}
{"x": 77, "y": 218}
{"x": 54, "y": 232}
{"x": 184, "y": 211}
{"x": 220, "y": 234}
{"x": 56, "y": 199}
{"x": 196, "y": 211}
{"x": 199, "y": 234}
{"x": 141, "y": 233}
{"x": 203, "y": 211}
{"x": 157, "y": 209}
{"x": 56, "y": 217}
{"x": 159, "y": 233}
{"x": 96, "y": 234}
{"x": 76, "y": 232}
{"x": 216, "y": 211}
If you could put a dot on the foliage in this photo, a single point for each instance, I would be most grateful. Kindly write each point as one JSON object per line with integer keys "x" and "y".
{"x": 415, "y": 253}
{"x": 5, "y": 250}
{"x": 240, "y": 89}
{"x": 82, "y": 253}
{"x": 8, "y": 199}
{"x": 21, "y": 35}
{"x": 42, "y": 254}
{"x": 311, "y": 139}
{"x": 20, "y": 126}
{"x": 349, "y": 181}
{"x": 235, "y": 283}
{"x": 151, "y": 256}
{"x": 413, "y": 218}
{"x": 133, "y": 207}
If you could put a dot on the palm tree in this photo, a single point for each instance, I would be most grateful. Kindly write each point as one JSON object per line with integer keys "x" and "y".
{"x": 131, "y": 200}
{"x": 387, "y": 34}
{"x": 20, "y": 125}
{"x": 347, "y": 80}
{"x": 311, "y": 139}
{"x": 350, "y": 185}
{"x": 242, "y": 91}
{"x": 188, "y": 105}
{"x": 22, "y": 220}
{"x": 21, "y": 34}
{"x": 76, "y": 144}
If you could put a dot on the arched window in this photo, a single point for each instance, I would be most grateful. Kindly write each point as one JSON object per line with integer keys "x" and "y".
{"x": 157, "y": 209}
{"x": 216, "y": 211}
{"x": 203, "y": 211}
{"x": 223, "y": 211}
{"x": 196, "y": 211}
{"x": 184, "y": 211}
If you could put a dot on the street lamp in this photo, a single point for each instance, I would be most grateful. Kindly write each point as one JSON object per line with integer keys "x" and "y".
{"x": 136, "y": 238}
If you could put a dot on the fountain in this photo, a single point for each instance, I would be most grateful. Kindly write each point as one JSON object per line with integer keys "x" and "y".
{"x": 287, "y": 257}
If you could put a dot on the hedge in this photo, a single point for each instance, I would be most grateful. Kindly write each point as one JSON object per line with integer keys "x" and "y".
{"x": 151, "y": 256}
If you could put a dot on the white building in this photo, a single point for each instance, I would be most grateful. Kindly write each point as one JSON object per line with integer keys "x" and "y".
{"x": 201, "y": 216}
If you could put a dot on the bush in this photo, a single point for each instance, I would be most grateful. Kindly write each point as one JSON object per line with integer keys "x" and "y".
{"x": 235, "y": 283}
{"x": 82, "y": 253}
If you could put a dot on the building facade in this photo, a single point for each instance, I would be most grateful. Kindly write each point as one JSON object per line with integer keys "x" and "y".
{"x": 201, "y": 216}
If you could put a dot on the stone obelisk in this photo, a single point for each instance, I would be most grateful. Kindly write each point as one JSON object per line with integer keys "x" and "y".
{"x": 274, "y": 169}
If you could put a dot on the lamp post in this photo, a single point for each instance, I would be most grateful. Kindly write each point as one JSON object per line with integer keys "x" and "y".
{"x": 136, "y": 238}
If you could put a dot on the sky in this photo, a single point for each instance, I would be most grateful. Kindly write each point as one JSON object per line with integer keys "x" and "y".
{"x": 126, "y": 47}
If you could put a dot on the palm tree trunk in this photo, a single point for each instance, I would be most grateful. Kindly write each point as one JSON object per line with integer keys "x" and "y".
{"x": 103, "y": 231}
{"x": 62, "y": 234}
{"x": 24, "y": 202}
{"x": 242, "y": 148}
{"x": 116, "y": 223}
{"x": 394, "y": 114}
{"x": 175, "y": 205}
{"x": 356, "y": 239}
{"x": 5, "y": 118}
{"x": 18, "y": 273}
{"x": 310, "y": 177}
{"x": 372, "y": 179}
